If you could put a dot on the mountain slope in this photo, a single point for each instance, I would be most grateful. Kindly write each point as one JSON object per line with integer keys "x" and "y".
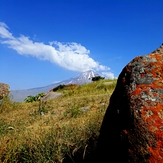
{"x": 83, "y": 78}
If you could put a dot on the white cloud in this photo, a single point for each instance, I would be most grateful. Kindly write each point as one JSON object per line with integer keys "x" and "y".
{"x": 71, "y": 56}
{"x": 108, "y": 75}
{"x": 4, "y": 33}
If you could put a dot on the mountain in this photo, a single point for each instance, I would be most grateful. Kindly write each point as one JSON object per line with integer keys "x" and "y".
{"x": 83, "y": 78}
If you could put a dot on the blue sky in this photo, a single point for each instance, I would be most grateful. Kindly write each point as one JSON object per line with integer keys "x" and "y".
{"x": 46, "y": 41}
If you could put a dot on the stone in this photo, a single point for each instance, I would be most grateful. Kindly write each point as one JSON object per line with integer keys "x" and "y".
{"x": 86, "y": 108}
{"x": 51, "y": 95}
{"x": 4, "y": 90}
{"x": 132, "y": 128}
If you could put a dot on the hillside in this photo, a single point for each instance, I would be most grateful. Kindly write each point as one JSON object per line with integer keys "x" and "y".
{"x": 62, "y": 130}
{"x": 83, "y": 78}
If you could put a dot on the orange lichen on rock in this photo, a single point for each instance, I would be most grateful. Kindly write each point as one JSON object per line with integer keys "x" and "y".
{"x": 152, "y": 106}
{"x": 132, "y": 129}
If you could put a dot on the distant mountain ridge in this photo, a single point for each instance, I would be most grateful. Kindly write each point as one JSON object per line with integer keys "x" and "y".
{"x": 83, "y": 78}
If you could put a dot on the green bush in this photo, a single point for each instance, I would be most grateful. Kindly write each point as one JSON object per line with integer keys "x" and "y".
{"x": 61, "y": 86}
{"x": 96, "y": 78}
{"x": 34, "y": 98}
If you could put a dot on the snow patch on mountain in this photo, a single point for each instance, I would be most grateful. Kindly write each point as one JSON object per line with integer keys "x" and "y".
{"x": 84, "y": 78}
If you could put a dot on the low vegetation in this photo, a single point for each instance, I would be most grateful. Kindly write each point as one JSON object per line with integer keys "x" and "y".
{"x": 34, "y": 98}
{"x": 61, "y": 86}
{"x": 97, "y": 78}
{"x": 66, "y": 132}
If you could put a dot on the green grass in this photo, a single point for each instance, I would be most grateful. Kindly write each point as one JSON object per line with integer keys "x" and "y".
{"x": 65, "y": 133}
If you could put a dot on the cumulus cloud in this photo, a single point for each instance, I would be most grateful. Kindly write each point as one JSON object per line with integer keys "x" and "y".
{"x": 108, "y": 75}
{"x": 72, "y": 56}
{"x": 4, "y": 33}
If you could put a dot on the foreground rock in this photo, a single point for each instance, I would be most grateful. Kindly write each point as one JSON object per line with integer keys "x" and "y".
{"x": 132, "y": 129}
{"x": 51, "y": 95}
{"x": 4, "y": 90}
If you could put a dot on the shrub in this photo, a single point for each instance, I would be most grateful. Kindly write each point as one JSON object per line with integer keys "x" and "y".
{"x": 34, "y": 98}
{"x": 61, "y": 86}
{"x": 96, "y": 78}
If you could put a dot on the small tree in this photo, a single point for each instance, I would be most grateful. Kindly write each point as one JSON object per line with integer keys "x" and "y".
{"x": 61, "y": 86}
{"x": 96, "y": 78}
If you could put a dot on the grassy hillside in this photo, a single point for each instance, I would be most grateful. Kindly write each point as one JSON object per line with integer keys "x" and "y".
{"x": 61, "y": 130}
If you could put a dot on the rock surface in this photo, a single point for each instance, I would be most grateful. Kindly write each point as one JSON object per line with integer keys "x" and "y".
{"x": 132, "y": 129}
{"x": 159, "y": 50}
{"x": 51, "y": 95}
{"x": 4, "y": 90}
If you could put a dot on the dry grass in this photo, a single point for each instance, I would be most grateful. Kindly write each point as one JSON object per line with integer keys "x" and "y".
{"x": 67, "y": 131}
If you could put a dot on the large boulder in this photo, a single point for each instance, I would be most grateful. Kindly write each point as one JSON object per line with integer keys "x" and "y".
{"x": 4, "y": 90}
{"x": 132, "y": 129}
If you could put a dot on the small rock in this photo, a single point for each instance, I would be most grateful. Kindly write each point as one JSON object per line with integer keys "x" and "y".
{"x": 42, "y": 113}
{"x": 11, "y": 128}
{"x": 86, "y": 108}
